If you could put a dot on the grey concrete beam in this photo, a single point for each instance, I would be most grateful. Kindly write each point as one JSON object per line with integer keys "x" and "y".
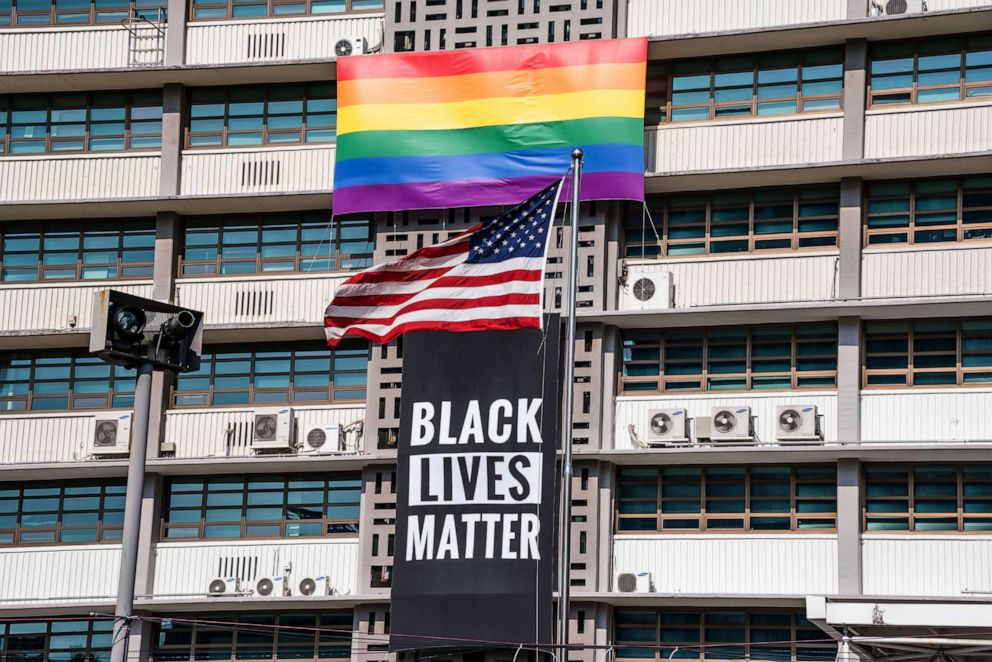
{"x": 849, "y": 572}
{"x": 849, "y": 378}
{"x": 173, "y": 100}
{"x": 855, "y": 66}
{"x": 175, "y": 36}
{"x": 849, "y": 265}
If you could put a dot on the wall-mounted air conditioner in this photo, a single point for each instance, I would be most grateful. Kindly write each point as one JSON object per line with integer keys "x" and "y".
{"x": 350, "y": 46}
{"x": 325, "y": 438}
{"x": 667, "y": 426}
{"x": 646, "y": 290}
{"x": 224, "y": 586}
{"x": 635, "y": 582}
{"x": 732, "y": 424}
{"x": 272, "y": 429}
{"x": 797, "y": 423}
{"x": 272, "y": 587}
{"x": 896, "y": 7}
{"x": 316, "y": 587}
{"x": 111, "y": 434}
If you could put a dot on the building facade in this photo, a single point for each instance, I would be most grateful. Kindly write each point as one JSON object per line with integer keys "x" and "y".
{"x": 817, "y": 240}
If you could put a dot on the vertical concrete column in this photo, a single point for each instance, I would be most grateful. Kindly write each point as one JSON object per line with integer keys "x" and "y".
{"x": 167, "y": 228}
{"x": 849, "y": 264}
{"x": 855, "y": 64}
{"x": 173, "y": 101}
{"x": 140, "y": 638}
{"x": 849, "y": 379}
{"x": 849, "y": 526}
{"x": 175, "y": 36}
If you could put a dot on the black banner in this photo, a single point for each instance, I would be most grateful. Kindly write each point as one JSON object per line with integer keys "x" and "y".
{"x": 475, "y": 502}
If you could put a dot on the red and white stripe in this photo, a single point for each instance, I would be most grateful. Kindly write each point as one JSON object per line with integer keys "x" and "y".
{"x": 436, "y": 288}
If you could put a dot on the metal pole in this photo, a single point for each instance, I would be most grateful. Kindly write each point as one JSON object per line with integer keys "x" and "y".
{"x": 132, "y": 514}
{"x": 566, "y": 461}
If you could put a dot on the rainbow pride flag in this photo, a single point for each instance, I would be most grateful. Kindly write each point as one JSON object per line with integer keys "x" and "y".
{"x": 489, "y": 126}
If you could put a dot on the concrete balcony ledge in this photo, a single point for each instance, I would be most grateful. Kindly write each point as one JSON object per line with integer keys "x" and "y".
{"x": 53, "y": 178}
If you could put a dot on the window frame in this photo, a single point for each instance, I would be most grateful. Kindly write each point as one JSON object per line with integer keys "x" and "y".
{"x": 704, "y": 518}
{"x": 911, "y": 370}
{"x": 129, "y": 8}
{"x": 73, "y": 393}
{"x": 96, "y": 630}
{"x": 239, "y": 223}
{"x": 252, "y": 391}
{"x": 270, "y": 5}
{"x": 911, "y": 514}
{"x": 911, "y": 229}
{"x": 245, "y": 523}
{"x": 189, "y": 135}
{"x": 83, "y": 229}
{"x": 664, "y": 112}
{"x": 962, "y": 85}
{"x": 56, "y": 530}
{"x": 50, "y": 141}
{"x": 665, "y": 345}
{"x": 664, "y": 243}
{"x": 662, "y": 648}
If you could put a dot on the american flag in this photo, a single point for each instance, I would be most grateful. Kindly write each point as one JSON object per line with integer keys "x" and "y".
{"x": 488, "y": 277}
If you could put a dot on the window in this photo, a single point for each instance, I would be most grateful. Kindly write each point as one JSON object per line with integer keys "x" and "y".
{"x": 256, "y": 636}
{"x": 776, "y": 636}
{"x": 262, "y": 506}
{"x": 928, "y": 211}
{"x": 43, "y": 513}
{"x": 76, "y": 251}
{"x": 276, "y": 243}
{"x": 928, "y": 353}
{"x": 30, "y": 641}
{"x": 734, "y": 222}
{"x": 201, "y": 10}
{"x": 926, "y": 498}
{"x": 62, "y": 380}
{"x": 785, "y": 357}
{"x": 101, "y": 122}
{"x": 744, "y": 86}
{"x": 242, "y": 116}
{"x": 33, "y": 13}
{"x": 719, "y": 499}
{"x": 932, "y": 71}
{"x": 305, "y": 372}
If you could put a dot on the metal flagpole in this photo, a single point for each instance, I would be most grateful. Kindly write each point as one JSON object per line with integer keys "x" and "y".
{"x": 566, "y": 462}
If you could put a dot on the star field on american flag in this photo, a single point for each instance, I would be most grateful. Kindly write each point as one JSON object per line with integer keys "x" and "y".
{"x": 520, "y": 232}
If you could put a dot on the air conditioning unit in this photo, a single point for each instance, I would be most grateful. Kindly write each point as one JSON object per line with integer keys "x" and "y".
{"x": 647, "y": 290}
{"x": 635, "y": 582}
{"x": 273, "y": 429}
{"x": 272, "y": 587}
{"x": 322, "y": 439}
{"x": 111, "y": 434}
{"x": 224, "y": 586}
{"x": 350, "y": 46}
{"x": 896, "y": 7}
{"x": 667, "y": 426}
{"x": 797, "y": 423}
{"x": 316, "y": 587}
{"x": 732, "y": 424}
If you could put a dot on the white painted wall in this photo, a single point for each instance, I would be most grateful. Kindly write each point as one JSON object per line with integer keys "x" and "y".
{"x": 731, "y": 564}
{"x": 923, "y": 131}
{"x": 260, "y": 300}
{"x": 188, "y": 568}
{"x": 65, "y": 48}
{"x": 52, "y": 307}
{"x": 795, "y": 140}
{"x": 280, "y": 39}
{"x": 221, "y": 432}
{"x": 929, "y": 415}
{"x": 946, "y": 5}
{"x": 634, "y": 409}
{"x": 685, "y": 17}
{"x": 706, "y": 281}
{"x": 926, "y": 565}
{"x": 50, "y": 178}
{"x": 927, "y": 271}
{"x": 58, "y": 574}
{"x": 300, "y": 169}
{"x": 46, "y": 437}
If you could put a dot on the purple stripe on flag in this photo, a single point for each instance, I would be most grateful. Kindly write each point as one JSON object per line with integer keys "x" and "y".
{"x": 446, "y": 195}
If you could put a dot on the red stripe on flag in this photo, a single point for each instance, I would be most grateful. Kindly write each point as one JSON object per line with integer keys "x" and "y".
{"x": 525, "y": 275}
{"x": 442, "y": 304}
{"x": 504, "y": 324}
{"x": 396, "y": 276}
